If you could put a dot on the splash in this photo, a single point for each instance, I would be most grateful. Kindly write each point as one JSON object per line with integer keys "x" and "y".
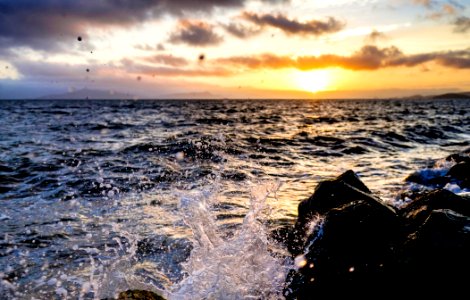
{"x": 244, "y": 266}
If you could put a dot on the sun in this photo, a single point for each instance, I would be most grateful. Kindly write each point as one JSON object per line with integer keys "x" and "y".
{"x": 313, "y": 81}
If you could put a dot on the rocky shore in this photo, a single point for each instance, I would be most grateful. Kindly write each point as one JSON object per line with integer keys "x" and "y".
{"x": 347, "y": 242}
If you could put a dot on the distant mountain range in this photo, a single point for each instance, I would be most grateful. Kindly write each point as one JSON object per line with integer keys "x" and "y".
{"x": 110, "y": 95}
{"x": 462, "y": 95}
{"x": 465, "y": 95}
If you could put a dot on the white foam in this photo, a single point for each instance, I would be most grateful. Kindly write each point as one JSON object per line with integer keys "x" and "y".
{"x": 240, "y": 267}
{"x": 4, "y": 217}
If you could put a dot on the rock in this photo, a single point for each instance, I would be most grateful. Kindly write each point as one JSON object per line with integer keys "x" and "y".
{"x": 350, "y": 253}
{"x": 138, "y": 295}
{"x": 418, "y": 211}
{"x": 461, "y": 173}
{"x": 437, "y": 255}
{"x": 328, "y": 195}
{"x": 428, "y": 177}
{"x": 463, "y": 156}
{"x": 360, "y": 247}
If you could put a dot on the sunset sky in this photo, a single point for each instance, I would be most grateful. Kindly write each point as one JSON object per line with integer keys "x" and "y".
{"x": 235, "y": 48}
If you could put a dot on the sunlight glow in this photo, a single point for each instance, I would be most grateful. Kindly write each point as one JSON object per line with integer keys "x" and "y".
{"x": 313, "y": 81}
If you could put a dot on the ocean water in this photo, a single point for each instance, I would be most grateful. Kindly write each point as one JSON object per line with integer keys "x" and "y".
{"x": 178, "y": 197}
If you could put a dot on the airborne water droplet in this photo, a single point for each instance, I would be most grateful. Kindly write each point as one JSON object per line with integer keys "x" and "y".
{"x": 300, "y": 261}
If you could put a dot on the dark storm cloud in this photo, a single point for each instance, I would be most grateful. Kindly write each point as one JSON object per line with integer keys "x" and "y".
{"x": 367, "y": 58}
{"x": 195, "y": 34}
{"x": 462, "y": 24}
{"x": 43, "y": 24}
{"x": 292, "y": 26}
{"x": 241, "y": 31}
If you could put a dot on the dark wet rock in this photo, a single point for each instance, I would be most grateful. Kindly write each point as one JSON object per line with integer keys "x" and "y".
{"x": 328, "y": 195}
{"x": 428, "y": 177}
{"x": 438, "y": 178}
{"x": 435, "y": 258}
{"x": 334, "y": 193}
{"x": 351, "y": 251}
{"x": 461, "y": 173}
{"x": 418, "y": 211}
{"x": 137, "y": 295}
{"x": 348, "y": 243}
{"x": 459, "y": 157}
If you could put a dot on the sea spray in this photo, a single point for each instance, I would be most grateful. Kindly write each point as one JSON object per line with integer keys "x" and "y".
{"x": 243, "y": 266}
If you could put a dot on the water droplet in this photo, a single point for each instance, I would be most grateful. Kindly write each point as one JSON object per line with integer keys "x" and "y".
{"x": 61, "y": 291}
{"x": 300, "y": 261}
{"x": 180, "y": 156}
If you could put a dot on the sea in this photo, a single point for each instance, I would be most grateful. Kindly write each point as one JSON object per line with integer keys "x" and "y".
{"x": 179, "y": 196}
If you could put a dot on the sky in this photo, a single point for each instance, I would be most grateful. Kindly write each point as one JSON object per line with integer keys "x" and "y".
{"x": 234, "y": 48}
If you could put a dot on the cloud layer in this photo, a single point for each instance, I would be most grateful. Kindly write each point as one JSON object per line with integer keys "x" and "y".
{"x": 367, "y": 58}
{"x": 45, "y": 24}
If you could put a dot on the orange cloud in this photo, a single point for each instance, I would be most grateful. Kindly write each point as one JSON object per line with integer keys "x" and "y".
{"x": 367, "y": 58}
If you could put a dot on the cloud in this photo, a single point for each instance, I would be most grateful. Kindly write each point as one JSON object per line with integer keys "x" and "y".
{"x": 374, "y": 36}
{"x": 130, "y": 66}
{"x": 175, "y": 72}
{"x": 446, "y": 10}
{"x": 425, "y": 3}
{"x": 367, "y": 58}
{"x": 195, "y": 34}
{"x": 450, "y": 10}
{"x": 241, "y": 31}
{"x": 168, "y": 59}
{"x": 52, "y": 24}
{"x": 146, "y": 47}
{"x": 292, "y": 26}
{"x": 462, "y": 24}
